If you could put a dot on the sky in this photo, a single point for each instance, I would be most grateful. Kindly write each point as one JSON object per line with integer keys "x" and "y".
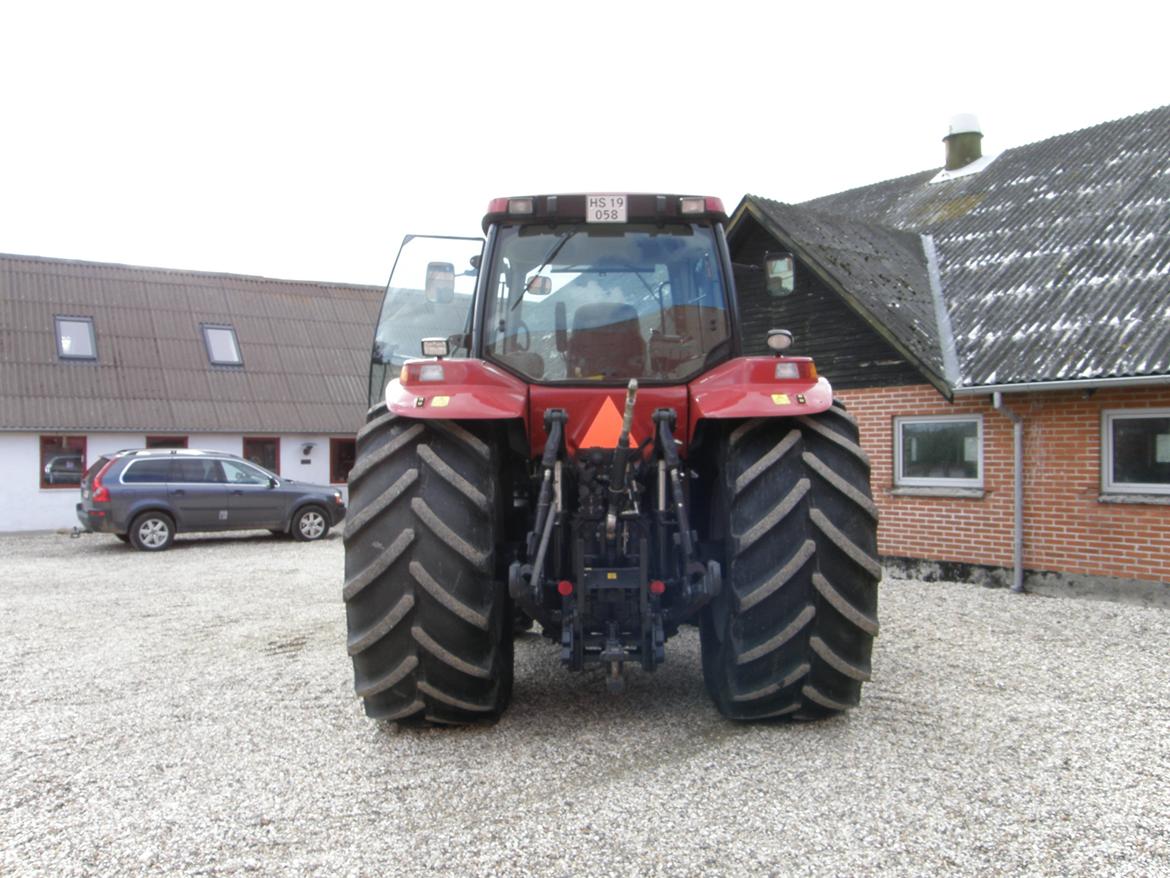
{"x": 303, "y": 140}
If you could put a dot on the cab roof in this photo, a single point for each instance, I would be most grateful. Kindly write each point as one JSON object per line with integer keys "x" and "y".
{"x": 604, "y": 208}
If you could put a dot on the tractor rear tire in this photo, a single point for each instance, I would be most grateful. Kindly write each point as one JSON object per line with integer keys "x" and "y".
{"x": 429, "y": 621}
{"x": 791, "y": 633}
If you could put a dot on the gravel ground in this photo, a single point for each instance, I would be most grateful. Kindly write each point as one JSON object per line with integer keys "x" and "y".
{"x": 192, "y": 713}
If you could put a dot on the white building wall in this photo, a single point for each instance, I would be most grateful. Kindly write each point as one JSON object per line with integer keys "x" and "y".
{"x": 26, "y": 506}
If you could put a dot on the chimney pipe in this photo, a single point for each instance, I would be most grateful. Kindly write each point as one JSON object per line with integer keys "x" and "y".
{"x": 964, "y": 142}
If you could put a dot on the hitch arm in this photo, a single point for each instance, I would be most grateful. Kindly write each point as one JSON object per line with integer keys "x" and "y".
{"x": 621, "y": 456}
{"x": 555, "y": 423}
{"x": 665, "y": 418}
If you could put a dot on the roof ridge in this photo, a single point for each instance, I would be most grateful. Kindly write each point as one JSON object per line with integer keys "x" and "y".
{"x": 1002, "y": 153}
{"x": 180, "y": 272}
{"x": 837, "y": 217}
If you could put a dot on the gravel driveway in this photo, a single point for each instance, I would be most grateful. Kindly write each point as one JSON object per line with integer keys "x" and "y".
{"x": 192, "y": 713}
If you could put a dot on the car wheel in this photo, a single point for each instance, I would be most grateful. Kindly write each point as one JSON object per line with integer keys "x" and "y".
{"x": 152, "y": 532}
{"x": 310, "y": 524}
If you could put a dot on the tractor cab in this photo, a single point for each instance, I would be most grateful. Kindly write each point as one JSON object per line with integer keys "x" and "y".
{"x": 571, "y": 293}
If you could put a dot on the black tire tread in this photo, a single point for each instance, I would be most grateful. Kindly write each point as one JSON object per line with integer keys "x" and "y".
{"x": 429, "y": 622}
{"x": 791, "y": 634}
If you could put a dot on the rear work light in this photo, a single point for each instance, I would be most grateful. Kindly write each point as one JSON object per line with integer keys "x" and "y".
{"x": 513, "y": 206}
{"x": 434, "y": 347}
{"x": 101, "y": 494}
{"x": 696, "y": 204}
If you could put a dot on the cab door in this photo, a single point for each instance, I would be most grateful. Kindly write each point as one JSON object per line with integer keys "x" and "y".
{"x": 430, "y": 295}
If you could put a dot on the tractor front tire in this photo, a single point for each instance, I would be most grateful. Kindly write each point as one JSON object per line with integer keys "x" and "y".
{"x": 790, "y": 634}
{"x": 429, "y": 621}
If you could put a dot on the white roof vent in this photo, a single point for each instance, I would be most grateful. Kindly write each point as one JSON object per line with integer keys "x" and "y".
{"x": 964, "y": 123}
{"x": 964, "y": 143}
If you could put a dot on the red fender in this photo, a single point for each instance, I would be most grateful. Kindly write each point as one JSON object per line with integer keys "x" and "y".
{"x": 747, "y": 387}
{"x": 465, "y": 390}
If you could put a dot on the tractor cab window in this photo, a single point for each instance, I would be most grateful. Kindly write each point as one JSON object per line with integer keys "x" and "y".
{"x": 429, "y": 296}
{"x": 586, "y": 303}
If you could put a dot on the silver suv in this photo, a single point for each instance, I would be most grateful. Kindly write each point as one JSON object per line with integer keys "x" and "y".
{"x": 146, "y": 496}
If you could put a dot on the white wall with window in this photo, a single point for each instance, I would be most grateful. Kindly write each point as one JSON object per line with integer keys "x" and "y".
{"x": 938, "y": 452}
{"x": 1135, "y": 451}
{"x": 32, "y": 499}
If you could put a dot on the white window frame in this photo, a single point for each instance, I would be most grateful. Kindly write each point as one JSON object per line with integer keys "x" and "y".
{"x": 208, "y": 328}
{"x": 904, "y": 481}
{"x": 1108, "y": 486}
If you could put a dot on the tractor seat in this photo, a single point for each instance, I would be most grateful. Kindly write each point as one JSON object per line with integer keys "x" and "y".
{"x": 606, "y": 342}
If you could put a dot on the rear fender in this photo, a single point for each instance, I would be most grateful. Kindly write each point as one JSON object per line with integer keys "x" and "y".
{"x": 467, "y": 390}
{"x": 146, "y": 505}
{"x": 747, "y": 387}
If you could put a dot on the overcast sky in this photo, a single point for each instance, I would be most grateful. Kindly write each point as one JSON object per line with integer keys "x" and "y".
{"x": 303, "y": 140}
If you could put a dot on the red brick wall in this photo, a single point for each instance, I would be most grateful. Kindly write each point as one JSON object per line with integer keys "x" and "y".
{"x": 1066, "y": 527}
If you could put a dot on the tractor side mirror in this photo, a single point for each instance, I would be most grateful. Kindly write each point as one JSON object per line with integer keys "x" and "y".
{"x": 539, "y": 285}
{"x": 440, "y": 287}
{"x": 780, "y": 272}
{"x": 562, "y": 327}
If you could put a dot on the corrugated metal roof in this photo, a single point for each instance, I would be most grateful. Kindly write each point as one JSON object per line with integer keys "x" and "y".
{"x": 305, "y": 348}
{"x": 1055, "y": 259}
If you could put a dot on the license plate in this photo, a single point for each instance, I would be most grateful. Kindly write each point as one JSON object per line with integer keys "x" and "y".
{"x": 605, "y": 208}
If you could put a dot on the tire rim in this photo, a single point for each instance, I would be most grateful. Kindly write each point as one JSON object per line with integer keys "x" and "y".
{"x": 312, "y": 525}
{"x": 153, "y": 533}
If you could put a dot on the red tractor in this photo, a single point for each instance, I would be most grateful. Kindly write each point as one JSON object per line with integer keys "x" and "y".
{"x": 584, "y": 443}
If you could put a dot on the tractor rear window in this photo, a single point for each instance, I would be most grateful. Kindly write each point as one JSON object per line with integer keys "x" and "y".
{"x": 605, "y": 304}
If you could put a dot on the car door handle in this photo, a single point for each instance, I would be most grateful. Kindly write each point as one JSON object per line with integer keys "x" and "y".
{"x": 179, "y": 492}
{"x": 238, "y": 492}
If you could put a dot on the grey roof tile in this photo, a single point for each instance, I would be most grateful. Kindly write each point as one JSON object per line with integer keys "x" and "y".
{"x": 152, "y": 372}
{"x": 1055, "y": 259}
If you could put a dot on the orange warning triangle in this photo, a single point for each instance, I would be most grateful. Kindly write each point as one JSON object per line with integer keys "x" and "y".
{"x": 606, "y": 428}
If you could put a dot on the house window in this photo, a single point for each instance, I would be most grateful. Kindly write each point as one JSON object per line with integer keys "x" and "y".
{"x": 222, "y": 347}
{"x": 62, "y": 461}
{"x": 75, "y": 338}
{"x": 342, "y": 453}
{"x": 945, "y": 452}
{"x": 1136, "y": 451}
{"x": 166, "y": 441}
{"x": 263, "y": 450}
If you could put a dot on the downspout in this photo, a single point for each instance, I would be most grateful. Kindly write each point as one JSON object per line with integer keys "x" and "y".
{"x": 1018, "y": 491}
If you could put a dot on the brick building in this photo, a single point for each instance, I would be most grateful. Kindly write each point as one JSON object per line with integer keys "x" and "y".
{"x": 1004, "y": 306}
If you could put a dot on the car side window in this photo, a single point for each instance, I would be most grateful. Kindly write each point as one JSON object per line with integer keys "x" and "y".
{"x": 238, "y": 474}
{"x": 195, "y": 471}
{"x": 154, "y": 471}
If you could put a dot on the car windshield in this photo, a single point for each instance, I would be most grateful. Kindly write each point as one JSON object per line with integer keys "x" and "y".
{"x": 596, "y": 303}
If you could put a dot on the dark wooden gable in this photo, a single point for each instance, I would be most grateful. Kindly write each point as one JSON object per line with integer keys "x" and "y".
{"x": 846, "y": 349}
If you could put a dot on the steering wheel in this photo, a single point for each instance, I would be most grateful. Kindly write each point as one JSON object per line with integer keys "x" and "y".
{"x": 520, "y": 330}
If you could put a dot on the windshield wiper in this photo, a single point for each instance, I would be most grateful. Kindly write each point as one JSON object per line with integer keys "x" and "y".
{"x": 549, "y": 257}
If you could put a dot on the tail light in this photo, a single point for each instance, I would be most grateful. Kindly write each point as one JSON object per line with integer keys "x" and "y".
{"x": 101, "y": 494}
